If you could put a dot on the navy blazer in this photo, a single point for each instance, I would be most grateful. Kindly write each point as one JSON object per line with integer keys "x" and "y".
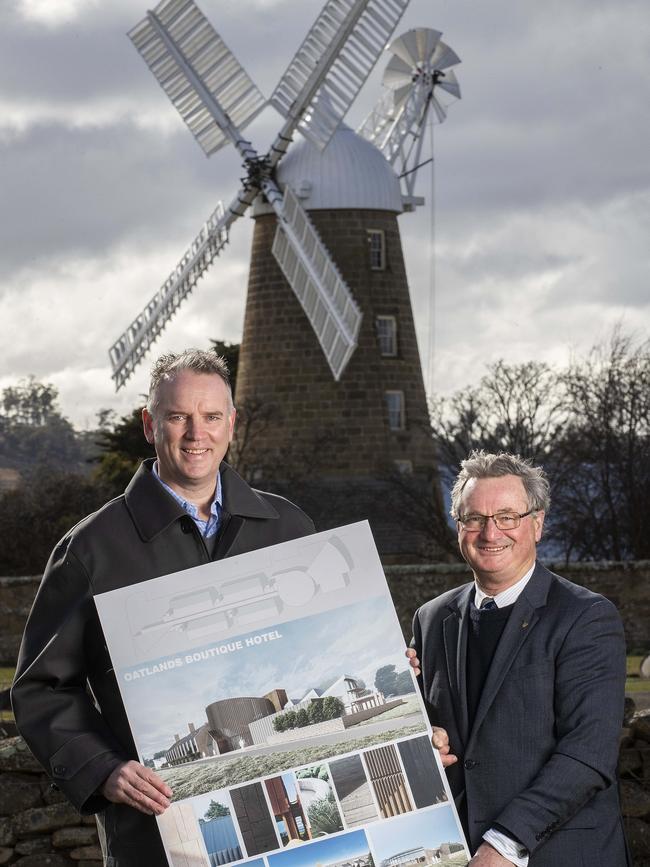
{"x": 539, "y": 761}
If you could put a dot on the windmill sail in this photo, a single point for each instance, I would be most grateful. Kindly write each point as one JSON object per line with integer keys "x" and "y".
{"x": 198, "y": 72}
{"x": 127, "y": 351}
{"x": 216, "y": 99}
{"x": 325, "y": 297}
{"x": 343, "y": 44}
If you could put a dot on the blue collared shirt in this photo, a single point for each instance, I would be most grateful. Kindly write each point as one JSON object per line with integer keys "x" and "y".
{"x": 206, "y": 528}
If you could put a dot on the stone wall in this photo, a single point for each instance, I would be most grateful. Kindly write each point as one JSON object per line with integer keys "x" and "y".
{"x": 38, "y": 828}
{"x": 634, "y": 773}
{"x": 626, "y": 584}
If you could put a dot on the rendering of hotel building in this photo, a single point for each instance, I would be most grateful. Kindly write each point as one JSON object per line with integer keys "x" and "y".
{"x": 244, "y": 721}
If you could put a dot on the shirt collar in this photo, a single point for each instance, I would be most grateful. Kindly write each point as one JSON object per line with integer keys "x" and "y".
{"x": 191, "y": 508}
{"x": 506, "y": 597}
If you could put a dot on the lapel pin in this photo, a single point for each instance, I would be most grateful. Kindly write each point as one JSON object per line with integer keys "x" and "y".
{"x": 524, "y": 624}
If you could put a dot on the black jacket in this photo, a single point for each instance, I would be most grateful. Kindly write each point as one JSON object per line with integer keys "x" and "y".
{"x": 63, "y": 662}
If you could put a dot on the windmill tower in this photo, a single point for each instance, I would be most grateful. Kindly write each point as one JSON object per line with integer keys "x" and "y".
{"x": 329, "y": 387}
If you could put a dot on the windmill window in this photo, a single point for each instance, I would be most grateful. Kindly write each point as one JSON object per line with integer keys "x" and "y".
{"x": 404, "y": 467}
{"x": 387, "y": 335}
{"x": 377, "y": 244}
{"x": 395, "y": 406}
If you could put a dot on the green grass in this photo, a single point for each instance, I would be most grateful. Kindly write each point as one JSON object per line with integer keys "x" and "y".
{"x": 634, "y": 665}
{"x": 6, "y": 677}
{"x": 636, "y": 685}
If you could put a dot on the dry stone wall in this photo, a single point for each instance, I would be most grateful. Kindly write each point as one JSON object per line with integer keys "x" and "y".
{"x": 38, "y": 828}
{"x": 626, "y": 584}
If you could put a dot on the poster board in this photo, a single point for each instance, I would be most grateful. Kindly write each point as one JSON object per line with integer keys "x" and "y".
{"x": 271, "y": 692}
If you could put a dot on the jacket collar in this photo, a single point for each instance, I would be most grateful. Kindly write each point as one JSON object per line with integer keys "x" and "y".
{"x": 153, "y": 510}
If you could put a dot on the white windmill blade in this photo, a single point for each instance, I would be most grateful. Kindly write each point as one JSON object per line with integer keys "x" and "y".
{"x": 413, "y": 77}
{"x": 332, "y": 64}
{"x": 450, "y": 84}
{"x": 212, "y": 92}
{"x": 422, "y": 45}
{"x": 128, "y": 350}
{"x": 380, "y": 119}
{"x": 323, "y": 294}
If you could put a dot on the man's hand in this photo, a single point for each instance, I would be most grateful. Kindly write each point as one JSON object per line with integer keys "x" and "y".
{"x": 133, "y": 784}
{"x": 486, "y": 856}
{"x": 440, "y": 740}
{"x": 413, "y": 661}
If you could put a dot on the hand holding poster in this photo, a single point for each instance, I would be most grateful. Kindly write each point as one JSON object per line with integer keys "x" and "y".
{"x": 271, "y": 692}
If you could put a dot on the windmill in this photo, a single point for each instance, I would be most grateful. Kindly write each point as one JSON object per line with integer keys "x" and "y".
{"x": 415, "y": 79}
{"x": 343, "y": 398}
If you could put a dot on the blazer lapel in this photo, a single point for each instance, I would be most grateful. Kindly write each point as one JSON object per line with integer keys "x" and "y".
{"x": 454, "y": 629}
{"x": 520, "y": 624}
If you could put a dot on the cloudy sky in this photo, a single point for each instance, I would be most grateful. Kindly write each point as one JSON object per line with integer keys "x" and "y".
{"x": 542, "y": 206}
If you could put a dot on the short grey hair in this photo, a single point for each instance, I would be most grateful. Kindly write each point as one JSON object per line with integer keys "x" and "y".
{"x": 486, "y": 465}
{"x": 197, "y": 360}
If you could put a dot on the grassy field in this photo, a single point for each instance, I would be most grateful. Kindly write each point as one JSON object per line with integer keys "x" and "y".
{"x": 6, "y": 677}
{"x": 205, "y": 776}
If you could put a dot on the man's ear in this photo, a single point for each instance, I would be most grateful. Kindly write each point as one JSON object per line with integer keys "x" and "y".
{"x": 231, "y": 424}
{"x": 147, "y": 424}
{"x": 538, "y": 518}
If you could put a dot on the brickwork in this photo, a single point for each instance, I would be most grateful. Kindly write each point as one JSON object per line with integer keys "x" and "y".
{"x": 281, "y": 362}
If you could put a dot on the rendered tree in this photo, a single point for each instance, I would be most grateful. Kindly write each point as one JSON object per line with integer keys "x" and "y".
{"x": 333, "y": 707}
{"x": 324, "y": 816}
{"x": 386, "y": 680}
{"x": 216, "y": 811}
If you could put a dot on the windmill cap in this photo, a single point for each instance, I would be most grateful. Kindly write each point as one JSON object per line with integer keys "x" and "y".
{"x": 349, "y": 174}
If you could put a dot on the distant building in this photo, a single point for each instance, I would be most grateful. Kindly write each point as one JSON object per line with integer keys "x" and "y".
{"x": 421, "y": 857}
{"x": 410, "y": 857}
{"x": 354, "y": 696}
{"x": 197, "y": 744}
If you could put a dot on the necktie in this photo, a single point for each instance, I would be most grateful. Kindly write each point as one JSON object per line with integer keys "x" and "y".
{"x": 488, "y": 605}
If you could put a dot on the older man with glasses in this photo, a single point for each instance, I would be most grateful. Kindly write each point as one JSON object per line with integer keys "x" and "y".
{"x": 523, "y": 675}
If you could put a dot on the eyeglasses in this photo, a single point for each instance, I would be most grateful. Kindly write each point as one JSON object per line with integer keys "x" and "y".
{"x": 502, "y": 521}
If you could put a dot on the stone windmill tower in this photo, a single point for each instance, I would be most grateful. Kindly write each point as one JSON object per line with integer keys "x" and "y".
{"x": 329, "y": 387}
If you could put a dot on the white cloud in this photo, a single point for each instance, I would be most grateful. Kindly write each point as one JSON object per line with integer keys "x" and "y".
{"x": 54, "y": 13}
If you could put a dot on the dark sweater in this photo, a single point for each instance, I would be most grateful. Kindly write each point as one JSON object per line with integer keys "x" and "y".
{"x": 486, "y": 628}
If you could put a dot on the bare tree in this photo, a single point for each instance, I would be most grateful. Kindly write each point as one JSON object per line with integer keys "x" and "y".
{"x": 602, "y": 463}
{"x": 519, "y": 408}
{"x": 588, "y": 425}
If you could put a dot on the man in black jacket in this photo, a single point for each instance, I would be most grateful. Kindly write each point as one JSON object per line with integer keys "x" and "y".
{"x": 185, "y": 509}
